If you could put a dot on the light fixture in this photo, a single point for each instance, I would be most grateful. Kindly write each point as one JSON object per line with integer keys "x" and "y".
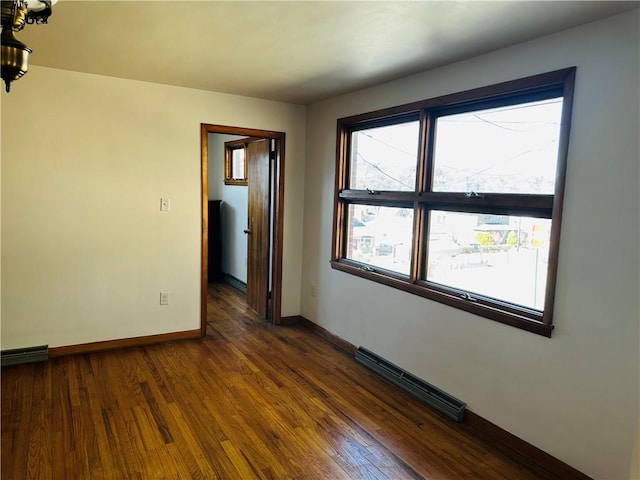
{"x": 15, "y": 54}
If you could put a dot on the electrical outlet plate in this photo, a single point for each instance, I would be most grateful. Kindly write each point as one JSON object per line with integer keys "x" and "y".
{"x": 164, "y": 298}
{"x": 165, "y": 204}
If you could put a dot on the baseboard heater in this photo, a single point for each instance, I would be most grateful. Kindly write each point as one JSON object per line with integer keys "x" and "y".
{"x": 17, "y": 356}
{"x": 433, "y": 396}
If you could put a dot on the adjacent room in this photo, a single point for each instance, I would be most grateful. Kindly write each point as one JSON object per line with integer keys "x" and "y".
{"x": 320, "y": 240}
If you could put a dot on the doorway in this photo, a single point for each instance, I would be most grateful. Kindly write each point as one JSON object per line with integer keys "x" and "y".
{"x": 267, "y": 185}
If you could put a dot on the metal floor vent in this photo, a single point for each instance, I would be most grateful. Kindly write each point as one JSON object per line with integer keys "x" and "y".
{"x": 25, "y": 355}
{"x": 441, "y": 401}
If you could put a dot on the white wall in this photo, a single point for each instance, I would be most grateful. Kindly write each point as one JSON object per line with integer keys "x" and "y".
{"x": 574, "y": 395}
{"x": 86, "y": 250}
{"x": 234, "y": 209}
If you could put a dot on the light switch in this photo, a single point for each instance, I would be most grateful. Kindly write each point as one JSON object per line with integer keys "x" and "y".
{"x": 165, "y": 204}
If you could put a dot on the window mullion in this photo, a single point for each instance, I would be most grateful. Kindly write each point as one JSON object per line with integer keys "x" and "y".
{"x": 427, "y": 160}
{"x": 421, "y": 217}
{"x": 423, "y": 177}
{"x": 507, "y": 204}
{"x": 405, "y": 199}
{"x": 423, "y": 184}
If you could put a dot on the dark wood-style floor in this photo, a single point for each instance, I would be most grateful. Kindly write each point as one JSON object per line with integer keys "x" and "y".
{"x": 249, "y": 401}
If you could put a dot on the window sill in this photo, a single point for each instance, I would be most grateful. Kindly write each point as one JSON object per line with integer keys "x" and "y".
{"x": 242, "y": 183}
{"x": 529, "y": 321}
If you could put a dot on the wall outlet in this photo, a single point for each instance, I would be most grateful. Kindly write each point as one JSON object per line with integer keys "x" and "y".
{"x": 313, "y": 290}
{"x": 164, "y": 298}
{"x": 165, "y": 204}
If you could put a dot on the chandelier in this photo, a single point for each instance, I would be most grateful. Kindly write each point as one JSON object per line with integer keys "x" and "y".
{"x": 15, "y": 54}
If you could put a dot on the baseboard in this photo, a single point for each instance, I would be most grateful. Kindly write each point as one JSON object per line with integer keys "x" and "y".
{"x": 498, "y": 437}
{"x": 508, "y": 442}
{"x": 292, "y": 320}
{"x": 234, "y": 282}
{"x": 122, "y": 343}
{"x": 327, "y": 335}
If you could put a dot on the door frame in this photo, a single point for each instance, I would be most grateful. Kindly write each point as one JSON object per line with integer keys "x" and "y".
{"x": 274, "y": 310}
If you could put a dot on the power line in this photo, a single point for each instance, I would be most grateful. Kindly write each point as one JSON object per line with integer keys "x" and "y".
{"x": 412, "y": 154}
{"x": 383, "y": 172}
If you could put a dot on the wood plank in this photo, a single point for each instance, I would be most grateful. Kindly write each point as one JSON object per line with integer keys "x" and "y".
{"x": 250, "y": 400}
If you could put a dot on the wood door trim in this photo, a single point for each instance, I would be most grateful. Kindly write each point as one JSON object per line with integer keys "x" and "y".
{"x": 278, "y": 209}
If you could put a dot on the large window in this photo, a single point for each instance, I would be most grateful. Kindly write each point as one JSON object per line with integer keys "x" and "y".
{"x": 459, "y": 198}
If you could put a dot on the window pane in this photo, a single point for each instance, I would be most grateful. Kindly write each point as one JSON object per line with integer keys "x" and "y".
{"x": 511, "y": 149}
{"x": 385, "y": 158}
{"x": 237, "y": 164}
{"x": 496, "y": 256}
{"x": 380, "y": 236}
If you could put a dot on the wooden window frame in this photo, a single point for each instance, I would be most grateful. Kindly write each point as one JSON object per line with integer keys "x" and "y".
{"x": 422, "y": 200}
{"x": 229, "y": 148}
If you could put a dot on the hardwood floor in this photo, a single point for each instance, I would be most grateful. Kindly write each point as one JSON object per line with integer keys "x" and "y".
{"x": 250, "y": 400}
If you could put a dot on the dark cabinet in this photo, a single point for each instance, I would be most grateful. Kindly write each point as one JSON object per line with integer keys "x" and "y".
{"x": 215, "y": 242}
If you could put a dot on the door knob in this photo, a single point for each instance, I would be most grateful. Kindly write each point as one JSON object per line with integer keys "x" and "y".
{"x": 247, "y": 231}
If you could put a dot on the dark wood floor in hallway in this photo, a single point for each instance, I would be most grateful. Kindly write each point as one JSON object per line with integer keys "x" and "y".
{"x": 250, "y": 400}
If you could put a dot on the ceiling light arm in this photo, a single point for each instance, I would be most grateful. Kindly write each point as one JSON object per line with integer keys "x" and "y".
{"x": 41, "y": 15}
{"x": 15, "y": 54}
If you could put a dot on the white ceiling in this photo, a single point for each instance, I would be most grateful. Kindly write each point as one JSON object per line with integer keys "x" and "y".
{"x": 296, "y": 51}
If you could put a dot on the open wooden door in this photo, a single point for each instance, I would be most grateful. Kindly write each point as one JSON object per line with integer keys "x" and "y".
{"x": 264, "y": 272}
{"x": 258, "y": 231}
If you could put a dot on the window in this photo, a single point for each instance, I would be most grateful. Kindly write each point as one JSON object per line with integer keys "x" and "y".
{"x": 235, "y": 167}
{"x": 459, "y": 198}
